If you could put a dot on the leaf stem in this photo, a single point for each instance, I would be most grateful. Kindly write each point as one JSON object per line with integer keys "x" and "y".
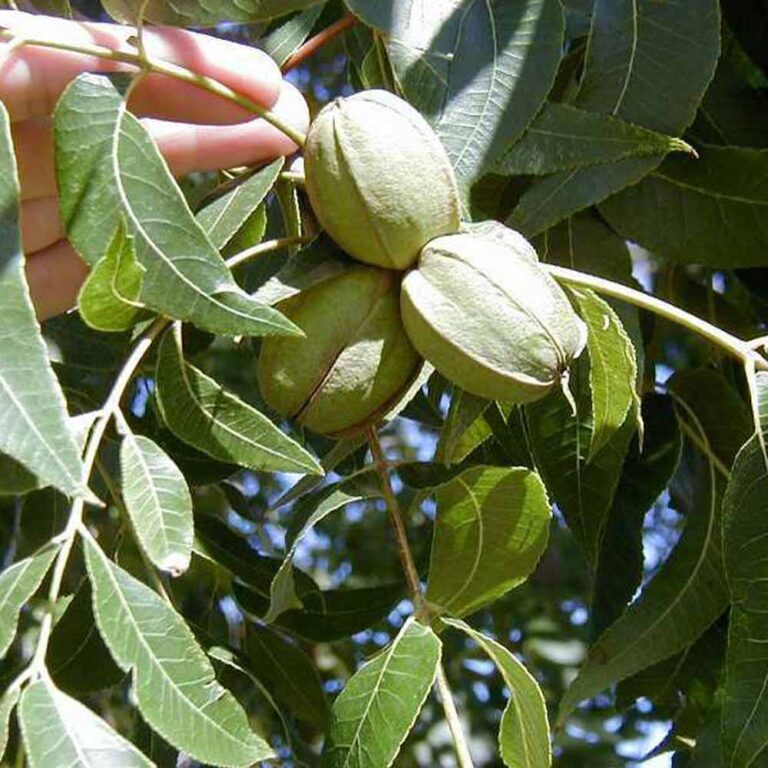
{"x": 453, "y": 720}
{"x": 266, "y": 247}
{"x": 738, "y": 348}
{"x": 68, "y": 536}
{"x": 315, "y": 43}
{"x": 162, "y": 68}
{"x": 421, "y": 609}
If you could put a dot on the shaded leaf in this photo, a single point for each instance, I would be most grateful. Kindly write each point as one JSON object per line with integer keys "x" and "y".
{"x": 563, "y": 137}
{"x": 479, "y": 71}
{"x": 77, "y": 659}
{"x": 59, "y": 730}
{"x": 682, "y": 600}
{"x": 711, "y": 211}
{"x": 524, "y": 728}
{"x": 15, "y": 480}
{"x": 333, "y": 614}
{"x": 191, "y": 13}
{"x": 583, "y": 490}
{"x": 745, "y": 705}
{"x": 33, "y": 414}
{"x": 108, "y": 299}
{"x": 222, "y": 218}
{"x": 612, "y": 368}
{"x": 491, "y": 528}
{"x": 289, "y": 673}
{"x": 158, "y": 502}
{"x": 380, "y": 703}
{"x": 309, "y": 511}
{"x": 107, "y": 166}
{"x": 17, "y": 584}
{"x": 173, "y": 680}
{"x": 464, "y": 412}
{"x": 645, "y": 475}
{"x": 216, "y": 422}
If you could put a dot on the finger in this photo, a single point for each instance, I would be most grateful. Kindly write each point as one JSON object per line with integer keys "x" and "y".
{"x": 55, "y": 276}
{"x": 40, "y": 224}
{"x": 33, "y": 143}
{"x": 190, "y": 148}
{"x": 32, "y": 77}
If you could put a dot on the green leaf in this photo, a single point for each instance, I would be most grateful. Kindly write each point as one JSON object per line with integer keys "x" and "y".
{"x": 464, "y": 412}
{"x": 8, "y": 700}
{"x": 14, "y": 479}
{"x": 216, "y": 422}
{"x": 707, "y": 211}
{"x": 745, "y": 705}
{"x": 158, "y": 502}
{"x": 524, "y": 728}
{"x": 380, "y": 703}
{"x": 77, "y": 659}
{"x": 59, "y": 730}
{"x": 633, "y": 45}
{"x": 330, "y": 615}
{"x": 563, "y": 138}
{"x": 684, "y": 598}
{"x": 17, "y": 584}
{"x": 467, "y": 67}
{"x": 309, "y": 511}
{"x": 645, "y": 475}
{"x": 108, "y": 166}
{"x": 33, "y": 414}
{"x": 173, "y": 680}
{"x": 612, "y": 368}
{"x": 192, "y": 13}
{"x": 222, "y": 218}
{"x": 584, "y": 490}
{"x": 491, "y": 528}
{"x": 108, "y": 299}
{"x": 284, "y": 40}
{"x": 289, "y": 673}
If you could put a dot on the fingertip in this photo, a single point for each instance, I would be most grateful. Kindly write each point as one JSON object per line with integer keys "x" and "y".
{"x": 291, "y": 108}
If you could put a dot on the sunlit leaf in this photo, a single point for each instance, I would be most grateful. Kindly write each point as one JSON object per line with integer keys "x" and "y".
{"x": 222, "y": 218}
{"x": 158, "y": 502}
{"x": 17, "y": 584}
{"x": 59, "y": 730}
{"x": 563, "y": 137}
{"x": 107, "y": 167}
{"x": 33, "y": 415}
{"x": 491, "y": 528}
{"x": 8, "y": 700}
{"x": 745, "y": 706}
{"x": 281, "y": 42}
{"x": 108, "y": 299}
{"x": 524, "y": 728}
{"x": 216, "y": 422}
{"x": 380, "y": 703}
{"x": 612, "y": 368}
{"x": 173, "y": 680}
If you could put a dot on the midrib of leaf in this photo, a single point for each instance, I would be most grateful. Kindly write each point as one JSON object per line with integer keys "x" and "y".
{"x": 630, "y": 63}
{"x": 480, "y": 539}
{"x": 14, "y": 584}
{"x": 709, "y": 192}
{"x": 495, "y": 57}
{"x": 72, "y": 736}
{"x": 33, "y": 428}
{"x": 152, "y": 490}
{"x": 153, "y": 659}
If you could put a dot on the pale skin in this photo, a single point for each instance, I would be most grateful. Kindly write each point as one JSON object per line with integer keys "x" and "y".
{"x": 195, "y": 130}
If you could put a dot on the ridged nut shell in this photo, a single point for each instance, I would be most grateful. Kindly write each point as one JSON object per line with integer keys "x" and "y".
{"x": 481, "y": 309}
{"x": 379, "y": 179}
{"x": 355, "y": 360}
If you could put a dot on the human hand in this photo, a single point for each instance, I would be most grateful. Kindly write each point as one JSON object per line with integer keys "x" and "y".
{"x": 195, "y": 130}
